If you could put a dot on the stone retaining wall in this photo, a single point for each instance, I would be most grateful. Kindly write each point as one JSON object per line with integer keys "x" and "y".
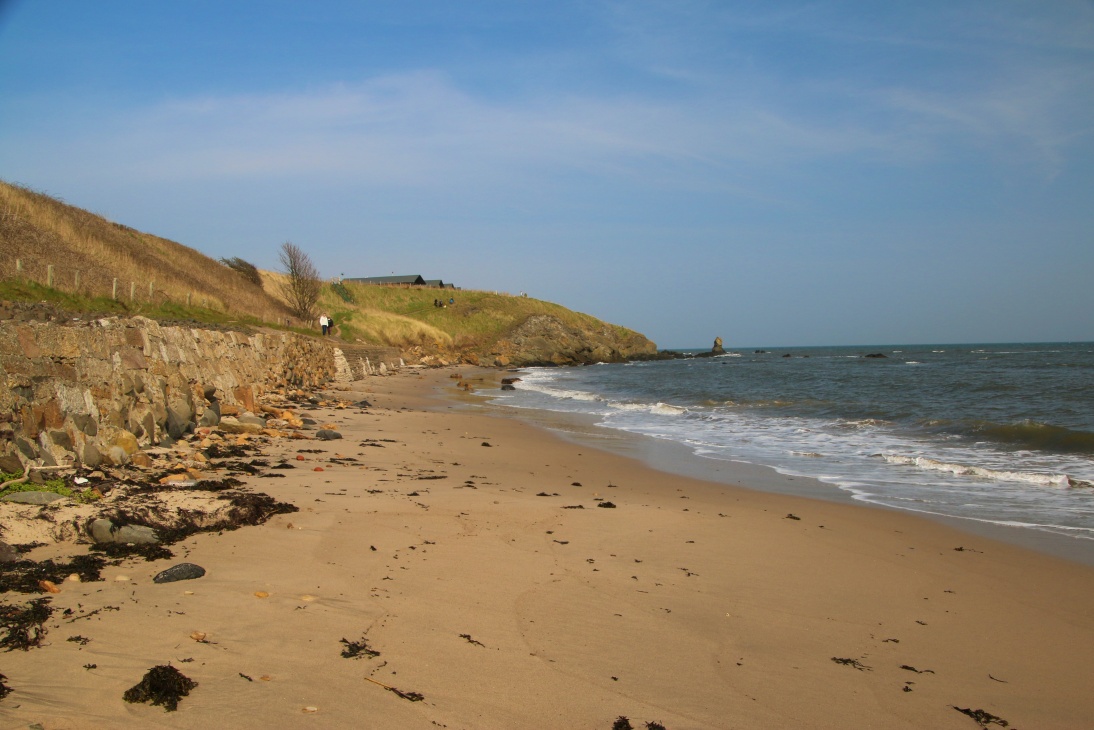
{"x": 75, "y": 391}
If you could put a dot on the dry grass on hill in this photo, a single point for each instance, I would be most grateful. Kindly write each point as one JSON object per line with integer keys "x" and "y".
{"x": 80, "y": 255}
{"x": 88, "y": 252}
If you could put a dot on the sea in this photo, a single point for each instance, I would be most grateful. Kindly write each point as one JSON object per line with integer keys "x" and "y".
{"x": 987, "y": 433}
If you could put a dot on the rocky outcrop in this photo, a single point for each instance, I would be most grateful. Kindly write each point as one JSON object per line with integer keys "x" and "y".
{"x": 546, "y": 340}
{"x": 100, "y": 390}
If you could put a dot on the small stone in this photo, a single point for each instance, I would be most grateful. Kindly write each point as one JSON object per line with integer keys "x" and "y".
{"x": 326, "y": 434}
{"x": 48, "y": 586}
{"x": 261, "y": 594}
{"x": 182, "y": 571}
{"x": 74, "y": 578}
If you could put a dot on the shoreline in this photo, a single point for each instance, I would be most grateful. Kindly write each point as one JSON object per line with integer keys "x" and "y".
{"x": 469, "y": 553}
{"x": 679, "y": 459}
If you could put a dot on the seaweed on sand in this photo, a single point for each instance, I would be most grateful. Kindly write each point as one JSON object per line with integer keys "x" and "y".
{"x": 983, "y": 718}
{"x": 851, "y": 663}
{"x": 236, "y": 467}
{"x": 249, "y": 508}
{"x": 228, "y": 451}
{"x": 161, "y": 685}
{"x": 171, "y": 526}
{"x": 4, "y": 689}
{"x": 118, "y": 550}
{"x": 25, "y": 624}
{"x": 357, "y": 649}
{"x": 623, "y": 723}
{"x": 24, "y": 576}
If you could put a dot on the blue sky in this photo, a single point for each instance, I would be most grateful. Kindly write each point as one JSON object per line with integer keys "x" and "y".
{"x": 774, "y": 173}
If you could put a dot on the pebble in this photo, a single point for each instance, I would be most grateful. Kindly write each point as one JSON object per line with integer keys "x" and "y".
{"x": 182, "y": 571}
{"x": 326, "y": 434}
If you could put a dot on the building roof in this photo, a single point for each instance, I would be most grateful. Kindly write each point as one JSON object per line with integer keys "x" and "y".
{"x": 413, "y": 280}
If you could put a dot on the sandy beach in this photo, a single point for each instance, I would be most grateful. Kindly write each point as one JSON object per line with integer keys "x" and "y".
{"x": 457, "y": 570}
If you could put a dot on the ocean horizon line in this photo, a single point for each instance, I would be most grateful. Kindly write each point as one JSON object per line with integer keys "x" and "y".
{"x": 753, "y": 348}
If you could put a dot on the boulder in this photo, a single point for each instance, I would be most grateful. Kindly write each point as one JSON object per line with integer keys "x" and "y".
{"x": 228, "y": 424}
{"x": 105, "y": 531}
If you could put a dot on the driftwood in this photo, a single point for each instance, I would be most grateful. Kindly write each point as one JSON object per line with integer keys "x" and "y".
{"x": 412, "y": 696}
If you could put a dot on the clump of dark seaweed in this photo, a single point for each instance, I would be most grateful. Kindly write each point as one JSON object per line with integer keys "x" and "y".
{"x": 357, "y": 649}
{"x": 623, "y": 723}
{"x": 606, "y": 505}
{"x": 171, "y": 526}
{"x": 217, "y": 485}
{"x": 25, "y": 625}
{"x": 851, "y": 663}
{"x": 228, "y": 451}
{"x": 24, "y": 576}
{"x": 469, "y": 640}
{"x": 4, "y": 689}
{"x": 254, "y": 508}
{"x": 983, "y": 717}
{"x": 237, "y": 467}
{"x": 118, "y": 550}
{"x": 161, "y": 685}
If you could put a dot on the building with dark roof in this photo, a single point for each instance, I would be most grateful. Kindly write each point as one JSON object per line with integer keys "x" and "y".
{"x": 412, "y": 280}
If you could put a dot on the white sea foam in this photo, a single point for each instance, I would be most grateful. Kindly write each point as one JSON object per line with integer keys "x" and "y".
{"x": 923, "y": 462}
{"x": 923, "y": 469}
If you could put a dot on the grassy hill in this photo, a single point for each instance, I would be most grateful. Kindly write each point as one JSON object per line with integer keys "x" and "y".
{"x": 80, "y": 261}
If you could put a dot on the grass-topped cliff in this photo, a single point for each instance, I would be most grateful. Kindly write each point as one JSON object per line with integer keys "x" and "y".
{"x": 81, "y": 261}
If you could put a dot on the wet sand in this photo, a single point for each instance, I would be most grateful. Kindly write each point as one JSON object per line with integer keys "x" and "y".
{"x": 471, "y": 554}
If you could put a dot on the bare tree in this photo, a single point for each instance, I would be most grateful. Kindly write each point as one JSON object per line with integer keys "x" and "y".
{"x": 302, "y": 285}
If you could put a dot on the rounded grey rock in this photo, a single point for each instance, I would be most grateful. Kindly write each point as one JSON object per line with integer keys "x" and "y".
{"x": 325, "y": 434}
